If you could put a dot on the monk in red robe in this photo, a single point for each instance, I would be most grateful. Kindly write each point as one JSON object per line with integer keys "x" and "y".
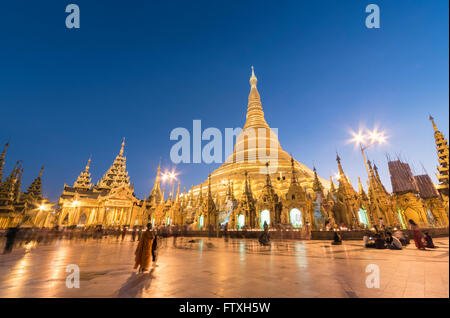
{"x": 417, "y": 236}
{"x": 144, "y": 250}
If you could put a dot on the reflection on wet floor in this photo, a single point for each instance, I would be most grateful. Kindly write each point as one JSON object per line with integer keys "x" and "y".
{"x": 217, "y": 267}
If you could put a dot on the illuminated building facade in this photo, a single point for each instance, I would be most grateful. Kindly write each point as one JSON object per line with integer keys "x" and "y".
{"x": 27, "y": 209}
{"x": 246, "y": 191}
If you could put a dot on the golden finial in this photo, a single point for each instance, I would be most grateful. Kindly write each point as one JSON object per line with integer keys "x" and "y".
{"x": 123, "y": 145}
{"x": 40, "y": 172}
{"x": 88, "y": 164}
{"x": 434, "y": 125}
{"x": 253, "y": 79}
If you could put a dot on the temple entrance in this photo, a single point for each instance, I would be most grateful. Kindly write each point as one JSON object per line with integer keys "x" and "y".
{"x": 296, "y": 218}
{"x": 200, "y": 222}
{"x": 264, "y": 217}
{"x": 241, "y": 221}
{"x": 82, "y": 220}
{"x": 362, "y": 215}
{"x": 430, "y": 218}
{"x": 401, "y": 218}
{"x": 65, "y": 220}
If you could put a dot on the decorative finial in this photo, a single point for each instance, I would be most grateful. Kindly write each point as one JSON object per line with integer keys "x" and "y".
{"x": 123, "y": 145}
{"x": 338, "y": 159}
{"x": 434, "y": 125}
{"x": 253, "y": 79}
{"x": 88, "y": 164}
{"x": 40, "y": 172}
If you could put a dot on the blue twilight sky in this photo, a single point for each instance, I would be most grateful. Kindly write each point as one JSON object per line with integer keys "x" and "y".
{"x": 138, "y": 69}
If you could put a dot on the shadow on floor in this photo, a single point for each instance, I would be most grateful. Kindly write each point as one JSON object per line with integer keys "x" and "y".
{"x": 136, "y": 284}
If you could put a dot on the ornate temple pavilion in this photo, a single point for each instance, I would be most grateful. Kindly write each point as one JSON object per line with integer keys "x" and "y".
{"x": 111, "y": 202}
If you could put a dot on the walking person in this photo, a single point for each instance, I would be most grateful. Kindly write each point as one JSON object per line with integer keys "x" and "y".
{"x": 417, "y": 236}
{"x": 10, "y": 238}
{"x": 154, "y": 248}
{"x": 144, "y": 249}
{"x": 307, "y": 231}
{"x": 133, "y": 234}
{"x": 124, "y": 232}
{"x": 140, "y": 230}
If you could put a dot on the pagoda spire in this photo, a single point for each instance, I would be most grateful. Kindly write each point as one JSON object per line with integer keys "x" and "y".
{"x": 163, "y": 195}
{"x": 255, "y": 113}
{"x": 341, "y": 171}
{"x": 190, "y": 201}
{"x": 317, "y": 185}
{"x": 18, "y": 184}
{"x": 123, "y": 145}
{"x": 84, "y": 179}
{"x": 442, "y": 149}
{"x": 200, "y": 195}
{"x": 434, "y": 124}
{"x": 378, "y": 179}
{"x": 361, "y": 191}
{"x": 155, "y": 194}
{"x": 35, "y": 188}
{"x": 7, "y": 189}
{"x": 177, "y": 198}
{"x": 209, "y": 185}
{"x": 332, "y": 187}
{"x": 117, "y": 174}
{"x": 249, "y": 184}
{"x": 268, "y": 180}
{"x": 246, "y": 190}
{"x": 294, "y": 173}
{"x": 2, "y": 160}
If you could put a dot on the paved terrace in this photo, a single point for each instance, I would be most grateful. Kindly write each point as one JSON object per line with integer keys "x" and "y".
{"x": 213, "y": 267}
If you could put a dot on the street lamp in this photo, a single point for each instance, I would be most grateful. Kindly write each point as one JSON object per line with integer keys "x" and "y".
{"x": 170, "y": 176}
{"x": 364, "y": 141}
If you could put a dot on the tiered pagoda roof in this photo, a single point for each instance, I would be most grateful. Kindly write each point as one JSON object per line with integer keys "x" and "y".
{"x": 116, "y": 175}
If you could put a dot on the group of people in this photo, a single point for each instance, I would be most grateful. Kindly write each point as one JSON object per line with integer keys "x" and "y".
{"x": 381, "y": 239}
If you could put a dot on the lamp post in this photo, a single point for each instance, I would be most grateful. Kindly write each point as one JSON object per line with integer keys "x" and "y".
{"x": 170, "y": 177}
{"x": 374, "y": 138}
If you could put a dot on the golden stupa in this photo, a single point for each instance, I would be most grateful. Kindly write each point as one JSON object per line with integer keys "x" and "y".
{"x": 252, "y": 151}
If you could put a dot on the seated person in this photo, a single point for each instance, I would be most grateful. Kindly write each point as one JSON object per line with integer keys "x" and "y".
{"x": 392, "y": 242}
{"x": 368, "y": 240}
{"x": 428, "y": 240}
{"x": 380, "y": 243}
{"x": 404, "y": 239}
{"x": 337, "y": 240}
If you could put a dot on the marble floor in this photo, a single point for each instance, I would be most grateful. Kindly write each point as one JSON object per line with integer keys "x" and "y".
{"x": 202, "y": 267}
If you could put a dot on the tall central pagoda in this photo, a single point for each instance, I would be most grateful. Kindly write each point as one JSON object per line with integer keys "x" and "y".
{"x": 257, "y": 137}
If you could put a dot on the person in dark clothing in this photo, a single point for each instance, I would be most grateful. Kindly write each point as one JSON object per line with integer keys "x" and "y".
{"x": 133, "y": 234}
{"x": 380, "y": 243}
{"x": 154, "y": 247}
{"x": 417, "y": 236}
{"x": 10, "y": 238}
{"x": 264, "y": 239}
{"x": 392, "y": 242}
{"x": 124, "y": 232}
{"x": 337, "y": 239}
{"x": 428, "y": 240}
